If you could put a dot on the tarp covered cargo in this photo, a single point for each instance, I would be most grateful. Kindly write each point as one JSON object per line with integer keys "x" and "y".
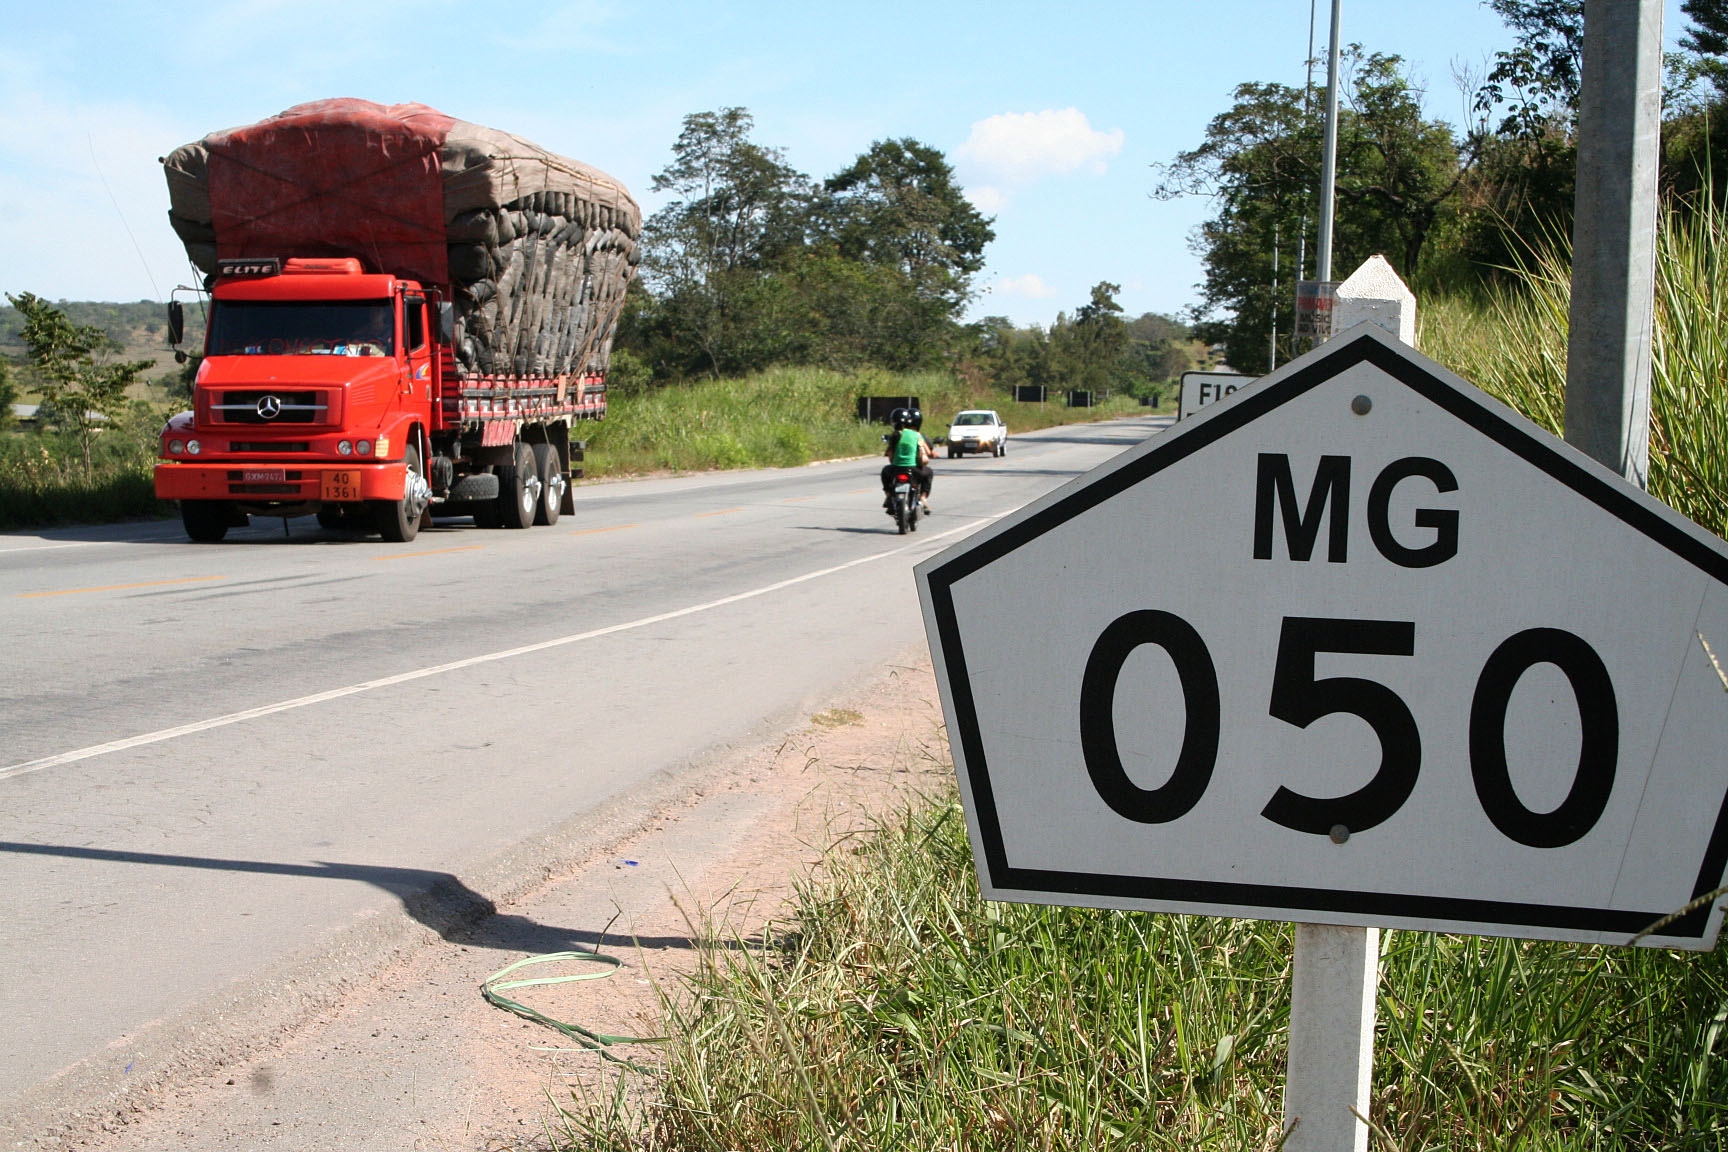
{"x": 536, "y": 249}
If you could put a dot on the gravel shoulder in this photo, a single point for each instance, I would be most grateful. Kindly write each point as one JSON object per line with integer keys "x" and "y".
{"x": 412, "y": 1058}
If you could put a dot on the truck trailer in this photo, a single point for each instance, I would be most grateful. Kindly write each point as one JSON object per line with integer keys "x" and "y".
{"x": 408, "y": 315}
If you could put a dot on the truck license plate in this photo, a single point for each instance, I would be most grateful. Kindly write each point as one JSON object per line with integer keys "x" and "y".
{"x": 266, "y": 476}
{"x": 340, "y": 486}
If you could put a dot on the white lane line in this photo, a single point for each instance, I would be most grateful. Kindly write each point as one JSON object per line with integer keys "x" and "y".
{"x": 51, "y": 547}
{"x": 157, "y": 737}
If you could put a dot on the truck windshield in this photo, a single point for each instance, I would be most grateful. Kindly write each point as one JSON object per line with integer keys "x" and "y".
{"x": 293, "y": 328}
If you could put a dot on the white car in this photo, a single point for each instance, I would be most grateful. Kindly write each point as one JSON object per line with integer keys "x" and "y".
{"x": 977, "y": 430}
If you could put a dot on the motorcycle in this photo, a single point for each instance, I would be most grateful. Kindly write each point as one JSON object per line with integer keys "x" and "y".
{"x": 903, "y": 501}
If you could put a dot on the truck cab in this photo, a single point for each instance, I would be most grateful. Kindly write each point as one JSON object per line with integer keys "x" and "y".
{"x": 316, "y": 394}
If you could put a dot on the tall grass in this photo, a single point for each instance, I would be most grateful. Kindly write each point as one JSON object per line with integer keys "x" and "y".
{"x": 43, "y": 482}
{"x": 784, "y": 417}
{"x": 1512, "y": 343}
{"x": 897, "y": 1010}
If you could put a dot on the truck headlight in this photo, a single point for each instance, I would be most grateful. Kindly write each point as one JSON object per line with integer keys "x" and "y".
{"x": 194, "y": 447}
{"x": 364, "y": 447}
{"x": 175, "y": 447}
{"x": 344, "y": 448}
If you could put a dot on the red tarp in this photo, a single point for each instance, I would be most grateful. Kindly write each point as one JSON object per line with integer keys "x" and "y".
{"x": 335, "y": 178}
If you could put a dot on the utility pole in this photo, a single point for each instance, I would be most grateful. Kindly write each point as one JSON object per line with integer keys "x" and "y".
{"x": 1614, "y": 236}
{"x": 1307, "y": 90}
{"x": 1272, "y": 353}
{"x": 1329, "y": 153}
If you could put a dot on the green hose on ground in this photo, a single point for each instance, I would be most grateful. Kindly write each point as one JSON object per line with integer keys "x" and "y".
{"x": 494, "y": 987}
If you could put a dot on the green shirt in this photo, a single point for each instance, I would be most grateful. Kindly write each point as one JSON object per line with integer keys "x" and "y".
{"x": 906, "y": 448}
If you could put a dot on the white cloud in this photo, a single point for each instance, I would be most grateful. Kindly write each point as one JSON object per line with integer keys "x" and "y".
{"x": 1019, "y": 147}
{"x": 986, "y": 198}
{"x": 1030, "y": 286}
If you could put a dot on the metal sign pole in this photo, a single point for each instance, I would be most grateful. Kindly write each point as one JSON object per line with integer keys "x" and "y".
{"x": 1614, "y": 236}
{"x": 1336, "y": 969}
{"x": 1331, "y": 1065}
{"x": 1329, "y": 149}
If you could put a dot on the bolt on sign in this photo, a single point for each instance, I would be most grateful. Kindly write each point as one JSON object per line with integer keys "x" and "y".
{"x": 1355, "y": 645}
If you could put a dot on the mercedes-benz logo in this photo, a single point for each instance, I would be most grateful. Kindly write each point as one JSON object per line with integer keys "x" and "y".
{"x": 269, "y": 407}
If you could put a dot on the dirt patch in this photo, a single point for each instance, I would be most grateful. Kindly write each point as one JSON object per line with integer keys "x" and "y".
{"x": 417, "y": 1060}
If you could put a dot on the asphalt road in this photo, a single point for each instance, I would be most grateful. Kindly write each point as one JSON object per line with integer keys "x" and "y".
{"x": 218, "y": 758}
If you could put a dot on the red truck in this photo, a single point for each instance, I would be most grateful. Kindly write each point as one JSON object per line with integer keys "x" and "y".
{"x": 407, "y": 315}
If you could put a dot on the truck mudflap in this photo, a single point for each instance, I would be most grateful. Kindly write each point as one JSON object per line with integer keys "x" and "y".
{"x": 277, "y": 483}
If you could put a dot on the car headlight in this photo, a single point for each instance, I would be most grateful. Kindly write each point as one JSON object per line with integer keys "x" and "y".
{"x": 175, "y": 447}
{"x": 194, "y": 447}
{"x": 364, "y": 447}
{"x": 344, "y": 448}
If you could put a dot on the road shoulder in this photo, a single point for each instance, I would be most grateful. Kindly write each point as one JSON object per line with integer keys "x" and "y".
{"x": 410, "y": 1057}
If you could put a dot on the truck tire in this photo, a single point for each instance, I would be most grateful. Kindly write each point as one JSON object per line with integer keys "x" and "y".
{"x": 518, "y": 490}
{"x": 398, "y": 521}
{"x": 552, "y": 484}
{"x": 206, "y": 521}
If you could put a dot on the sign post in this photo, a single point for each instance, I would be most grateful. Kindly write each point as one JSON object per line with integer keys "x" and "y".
{"x": 1614, "y": 235}
{"x": 1357, "y": 647}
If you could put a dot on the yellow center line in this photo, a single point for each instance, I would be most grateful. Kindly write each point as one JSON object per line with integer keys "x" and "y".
{"x": 722, "y": 512}
{"x": 797, "y": 499}
{"x": 861, "y": 491}
{"x": 592, "y": 531}
{"x": 430, "y": 552}
{"x": 119, "y": 587}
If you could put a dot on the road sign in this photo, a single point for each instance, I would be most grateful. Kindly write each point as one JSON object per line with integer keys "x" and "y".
{"x": 1357, "y": 645}
{"x": 1202, "y": 388}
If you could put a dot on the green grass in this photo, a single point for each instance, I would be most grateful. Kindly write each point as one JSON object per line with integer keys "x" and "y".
{"x": 785, "y": 417}
{"x": 43, "y": 484}
{"x": 898, "y": 1010}
{"x": 1512, "y": 344}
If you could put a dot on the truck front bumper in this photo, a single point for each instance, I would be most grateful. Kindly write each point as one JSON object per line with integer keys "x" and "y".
{"x": 254, "y": 483}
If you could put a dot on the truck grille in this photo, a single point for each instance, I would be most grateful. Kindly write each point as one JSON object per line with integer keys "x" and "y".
{"x": 263, "y": 406}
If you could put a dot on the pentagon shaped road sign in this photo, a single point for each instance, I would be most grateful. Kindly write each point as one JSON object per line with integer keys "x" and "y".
{"x": 1355, "y": 645}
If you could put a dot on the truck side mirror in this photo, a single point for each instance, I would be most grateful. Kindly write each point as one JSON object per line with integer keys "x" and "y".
{"x": 176, "y": 322}
{"x": 446, "y": 322}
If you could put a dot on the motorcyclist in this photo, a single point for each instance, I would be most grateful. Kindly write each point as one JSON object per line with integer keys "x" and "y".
{"x": 907, "y": 449}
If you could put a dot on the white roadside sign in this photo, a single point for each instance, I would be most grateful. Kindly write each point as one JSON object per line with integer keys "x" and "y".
{"x": 1199, "y": 389}
{"x": 1409, "y": 662}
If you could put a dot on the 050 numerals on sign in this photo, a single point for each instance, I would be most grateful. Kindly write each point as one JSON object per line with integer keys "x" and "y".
{"x": 1299, "y": 699}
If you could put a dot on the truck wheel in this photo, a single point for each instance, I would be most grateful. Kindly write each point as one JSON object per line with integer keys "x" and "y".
{"x": 206, "y": 521}
{"x": 552, "y": 484}
{"x": 398, "y": 521}
{"x": 518, "y": 489}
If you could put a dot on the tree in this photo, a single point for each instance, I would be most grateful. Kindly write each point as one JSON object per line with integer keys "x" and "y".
{"x": 1260, "y": 163}
{"x": 1090, "y": 348}
{"x": 1707, "y": 39}
{"x": 1537, "y": 80}
{"x": 739, "y": 210}
{"x": 80, "y": 384}
{"x": 8, "y": 395}
{"x": 897, "y": 206}
{"x": 754, "y": 264}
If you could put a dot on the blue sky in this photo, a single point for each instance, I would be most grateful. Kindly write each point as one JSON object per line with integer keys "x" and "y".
{"x": 1053, "y": 113}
